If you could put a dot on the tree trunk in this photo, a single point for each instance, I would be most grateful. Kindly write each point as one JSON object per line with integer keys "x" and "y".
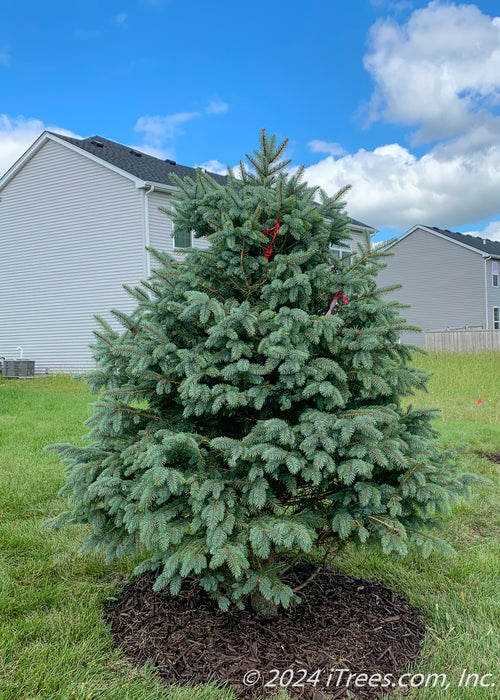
{"x": 262, "y": 606}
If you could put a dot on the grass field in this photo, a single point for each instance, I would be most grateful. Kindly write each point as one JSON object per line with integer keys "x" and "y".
{"x": 53, "y": 642}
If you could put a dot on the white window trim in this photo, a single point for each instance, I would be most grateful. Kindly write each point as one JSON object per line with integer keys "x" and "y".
{"x": 184, "y": 247}
{"x": 175, "y": 246}
{"x": 343, "y": 250}
{"x": 494, "y": 274}
{"x": 496, "y": 321}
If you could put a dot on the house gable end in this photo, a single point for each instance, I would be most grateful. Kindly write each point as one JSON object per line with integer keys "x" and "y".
{"x": 442, "y": 284}
{"x": 443, "y": 235}
{"x": 48, "y": 136}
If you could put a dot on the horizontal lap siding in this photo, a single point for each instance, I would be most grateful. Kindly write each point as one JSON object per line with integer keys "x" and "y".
{"x": 160, "y": 224}
{"x": 71, "y": 233}
{"x": 357, "y": 238}
{"x": 443, "y": 282}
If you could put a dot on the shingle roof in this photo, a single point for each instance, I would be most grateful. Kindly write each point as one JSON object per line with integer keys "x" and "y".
{"x": 355, "y": 222}
{"x": 133, "y": 161}
{"x": 484, "y": 245}
{"x": 144, "y": 166}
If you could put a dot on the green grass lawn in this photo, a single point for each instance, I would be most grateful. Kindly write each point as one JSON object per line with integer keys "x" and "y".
{"x": 54, "y": 644}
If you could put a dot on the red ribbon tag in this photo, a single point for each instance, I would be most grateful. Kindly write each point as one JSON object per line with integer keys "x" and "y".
{"x": 269, "y": 251}
{"x": 335, "y": 300}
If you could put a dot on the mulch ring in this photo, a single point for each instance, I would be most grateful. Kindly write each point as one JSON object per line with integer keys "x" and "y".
{"x": 341, "y": 623}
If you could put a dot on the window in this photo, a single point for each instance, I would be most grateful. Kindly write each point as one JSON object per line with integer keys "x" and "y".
{"x": 182, "y": 239}
{"x": 496, "y": 318}
{"x": 494, "y": 273}
{"x": 339, "y": 252}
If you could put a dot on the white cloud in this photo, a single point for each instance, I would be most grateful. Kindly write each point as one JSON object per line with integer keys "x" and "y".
{"x": 157, "y": 152}
{"x": 334, "y": 149}
{"x": 5, "y": 57}
{"x": 217, "y": 107}
{"x": 121, "y": 18}
{"x": 440, "y": 70}
{"x": 447, "y": 187}
{"x": 17, "y": 134}
{"x": 492, "y": 231}
{"x": 158, "y": 129}
{"x": 213, "y": 166}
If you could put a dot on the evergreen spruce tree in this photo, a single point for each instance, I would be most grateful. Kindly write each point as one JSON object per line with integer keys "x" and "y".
{"x": 252, "y": 408}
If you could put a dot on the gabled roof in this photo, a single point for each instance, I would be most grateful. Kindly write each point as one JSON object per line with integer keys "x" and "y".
{"x": 359, "y": 224}
{"x": 135, "y": 162}
{"x": 484, "y": 246}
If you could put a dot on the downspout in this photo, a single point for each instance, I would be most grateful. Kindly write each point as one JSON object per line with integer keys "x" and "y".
{"x": 486, "y": 258}
{"x": 146, "y": 225}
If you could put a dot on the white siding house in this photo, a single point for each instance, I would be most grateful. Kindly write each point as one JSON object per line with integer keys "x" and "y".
{"x": 75, "y": 217}
{"x": 59, "y": 262}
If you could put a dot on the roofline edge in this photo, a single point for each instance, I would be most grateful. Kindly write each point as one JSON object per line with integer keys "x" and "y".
{"x": 440, "y": 235}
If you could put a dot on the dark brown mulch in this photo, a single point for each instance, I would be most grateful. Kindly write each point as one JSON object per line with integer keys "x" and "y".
{"x": 341, "y": 623}
{"x": 493, "y": 458}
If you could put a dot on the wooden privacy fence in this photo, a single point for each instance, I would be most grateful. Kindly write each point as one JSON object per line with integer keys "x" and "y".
{"x": 468, "y": 339}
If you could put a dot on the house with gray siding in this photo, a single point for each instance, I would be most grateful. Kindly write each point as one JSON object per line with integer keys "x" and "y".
{"x": 449, "y": 279}
{"x": 76, "y": 216}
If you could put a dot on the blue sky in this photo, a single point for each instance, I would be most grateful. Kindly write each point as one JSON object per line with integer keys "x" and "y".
{"x": 399, "y": 99}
